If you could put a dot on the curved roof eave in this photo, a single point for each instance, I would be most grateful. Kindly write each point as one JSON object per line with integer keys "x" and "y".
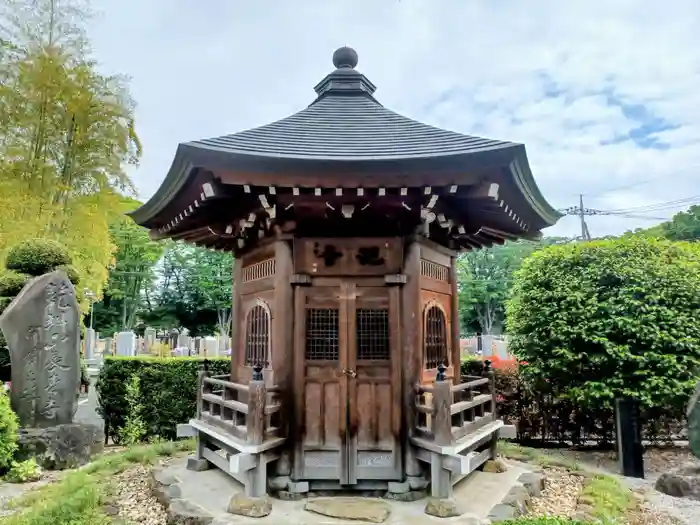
{"x": 523, "y": 178}
{"x": 190, "y": 156}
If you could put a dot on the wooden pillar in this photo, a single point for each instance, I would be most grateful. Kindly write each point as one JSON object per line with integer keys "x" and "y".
{"x": 282, "y": 347}
{"x": 456, "y": 356}
{"x": 412, "y": 348}
{"x": 235, "y": 318}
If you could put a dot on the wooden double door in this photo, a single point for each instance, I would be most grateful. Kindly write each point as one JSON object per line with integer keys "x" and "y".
{"x": 348, "y": 372}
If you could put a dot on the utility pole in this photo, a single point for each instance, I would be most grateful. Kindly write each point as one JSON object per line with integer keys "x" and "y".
{"x": 585, "y": 234}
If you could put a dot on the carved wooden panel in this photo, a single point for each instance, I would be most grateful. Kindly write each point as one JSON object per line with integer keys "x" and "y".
{"x": 435, "y": 271}
{"x": 435, "y": 336}
{"x": 347, "y": 257}
{"x": 259, "y": 270}
{"x": 428, "y": 363}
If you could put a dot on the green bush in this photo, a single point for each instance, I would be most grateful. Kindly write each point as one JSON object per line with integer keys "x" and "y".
{"x": 8, "y": 432}
{"x": 606, "y": 319}
{"x": 4, "y": 303}
{"x": 168, "y": 391}
{"x": 11, "y": 283}
{"x": 72, "y": 273}
{"x": 37, "y": 256}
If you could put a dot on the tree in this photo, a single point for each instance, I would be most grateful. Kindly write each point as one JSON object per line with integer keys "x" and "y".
{"x": 485, "y": 277}
{"x": 66, "y": 133}
{"x": 684, "y": 226}
{"x": 132, "y": 273}
{"x": 193, "y": 290}
{"x": 604, "y": 319}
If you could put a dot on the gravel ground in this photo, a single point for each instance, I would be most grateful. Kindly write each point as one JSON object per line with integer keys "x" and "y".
{"x": 659, "y": 508}
{"x": 133, "y": 499}
{"x": 560, "y": 494}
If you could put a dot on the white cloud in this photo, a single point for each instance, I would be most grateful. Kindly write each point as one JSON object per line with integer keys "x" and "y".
{"x": 202, "y": 69}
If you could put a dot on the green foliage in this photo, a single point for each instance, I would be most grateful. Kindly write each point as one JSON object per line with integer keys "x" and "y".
{"x": 8, "y": 431}
{"x": 78, "y": 497}
{"x": 605, "y": 319}
{"x": 72, "y": 273}
{"x": 193, "y": 291}
{"x": 134, "y": 430}
{"x": 11, "y": 283}
{"x": 484, "y": 280}
{"x": 131, "y": 273}
{"x": 684, "y": 226}
{"x": 37, "y": 256}
{"x": 4, "y": 303}
{"x": 24, "y": 471}
{"x": 168, "y": 389}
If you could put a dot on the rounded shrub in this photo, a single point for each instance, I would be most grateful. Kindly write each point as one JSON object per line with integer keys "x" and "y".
{"x": 72, "y": 273}
{"x": 4, "y": 303}
{"x": 37, "y": 256}
{"x": 8, "y": 432}
{"x": 607, "y": 319}
{"x": 11, "y": 283}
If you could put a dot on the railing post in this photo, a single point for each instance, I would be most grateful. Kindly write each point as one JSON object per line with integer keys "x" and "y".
{"x": 442, "y": 401}
{"x": 200, "y": 388}
{"x": 489, "y": 372}
{"x": 257, "y": 398}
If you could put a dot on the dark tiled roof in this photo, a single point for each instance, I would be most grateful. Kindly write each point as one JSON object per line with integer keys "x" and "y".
{"x": 347, "y": 123}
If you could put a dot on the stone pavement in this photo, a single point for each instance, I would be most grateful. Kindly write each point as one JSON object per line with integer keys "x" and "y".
{"x": 212, "y": 490}
{"x": 87, "y": 406}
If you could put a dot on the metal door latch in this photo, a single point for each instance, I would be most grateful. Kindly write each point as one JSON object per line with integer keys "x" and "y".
{"x": 349, "y": 372}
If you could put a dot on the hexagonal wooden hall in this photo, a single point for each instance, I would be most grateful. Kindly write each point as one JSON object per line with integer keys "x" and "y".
{"x": 345, "y": 220}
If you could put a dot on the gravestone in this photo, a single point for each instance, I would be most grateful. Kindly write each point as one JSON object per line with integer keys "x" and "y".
{"x": 126, "y": 346}
{"x": 108, "y": 346}
{"x": 41, "y": 327}
{"x": 149, "y": 336}
{"x": 211, "y": 346}
{"x": 90, "y": 339}
{"x": 183, "y": 341}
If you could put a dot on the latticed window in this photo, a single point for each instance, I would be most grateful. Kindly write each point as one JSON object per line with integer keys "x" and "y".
{"x": 322, "y": 334}
{"x": 435, "y": 342}
{"x": 257, "y": 336}
{"x": 372, "y": 334}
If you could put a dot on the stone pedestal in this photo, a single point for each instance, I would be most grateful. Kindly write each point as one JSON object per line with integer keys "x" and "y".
{"x": 61, "y": 447}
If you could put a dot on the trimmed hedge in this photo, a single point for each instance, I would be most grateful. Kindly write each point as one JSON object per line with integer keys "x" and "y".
{"x": 37, "y": 256}
{"x": 544, "y": 418}
{"x": 168, "y": 391}
{"x": 72, "y": 273}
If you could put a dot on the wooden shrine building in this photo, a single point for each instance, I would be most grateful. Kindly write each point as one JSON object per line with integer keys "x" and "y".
{"x": 345, "y": 220}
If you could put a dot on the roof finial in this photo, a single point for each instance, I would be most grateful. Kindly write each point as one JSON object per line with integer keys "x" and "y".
{"x": 345, "y": 57}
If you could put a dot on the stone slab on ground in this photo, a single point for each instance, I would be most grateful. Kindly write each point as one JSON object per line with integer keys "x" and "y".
{"x": 61, "y": 447}
{"x": 212, "y": 490}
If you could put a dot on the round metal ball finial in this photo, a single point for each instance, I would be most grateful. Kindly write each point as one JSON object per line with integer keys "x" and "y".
{"x": 345, "y": 57}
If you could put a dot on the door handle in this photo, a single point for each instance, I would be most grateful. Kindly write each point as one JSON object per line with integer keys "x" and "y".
{"x": 349, "y": 372}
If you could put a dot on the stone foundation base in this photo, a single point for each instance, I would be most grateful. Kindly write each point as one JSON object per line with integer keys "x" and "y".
{"x": 61, "y": 447}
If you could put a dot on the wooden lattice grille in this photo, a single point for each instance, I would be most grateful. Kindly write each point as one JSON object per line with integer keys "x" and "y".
{"x": 322, "y": 334}
{"x": 259, "y": 270}
{"x": 434, "y": 271}
{"x": 257, "y": 336}
{"x": 372, "y": 334}
{"x": 435, "y": 337}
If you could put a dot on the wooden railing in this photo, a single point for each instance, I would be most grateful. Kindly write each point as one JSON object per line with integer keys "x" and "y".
{"x": 250, "y": 413}
{"x": 446, "y": 413}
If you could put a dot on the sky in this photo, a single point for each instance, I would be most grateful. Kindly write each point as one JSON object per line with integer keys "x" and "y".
{"x": 604, "y": 94}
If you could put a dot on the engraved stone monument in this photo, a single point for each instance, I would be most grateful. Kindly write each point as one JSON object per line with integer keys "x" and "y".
{"x": 42, "y": 329}
{"x": 126, "y": 345}
{"x": 41, "y": 326}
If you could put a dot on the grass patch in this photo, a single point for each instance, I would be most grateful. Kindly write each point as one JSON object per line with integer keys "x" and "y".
{"x": 533, "y": 455}
{"x": 77, "y": 499}
{"x": 608, "y": 499}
